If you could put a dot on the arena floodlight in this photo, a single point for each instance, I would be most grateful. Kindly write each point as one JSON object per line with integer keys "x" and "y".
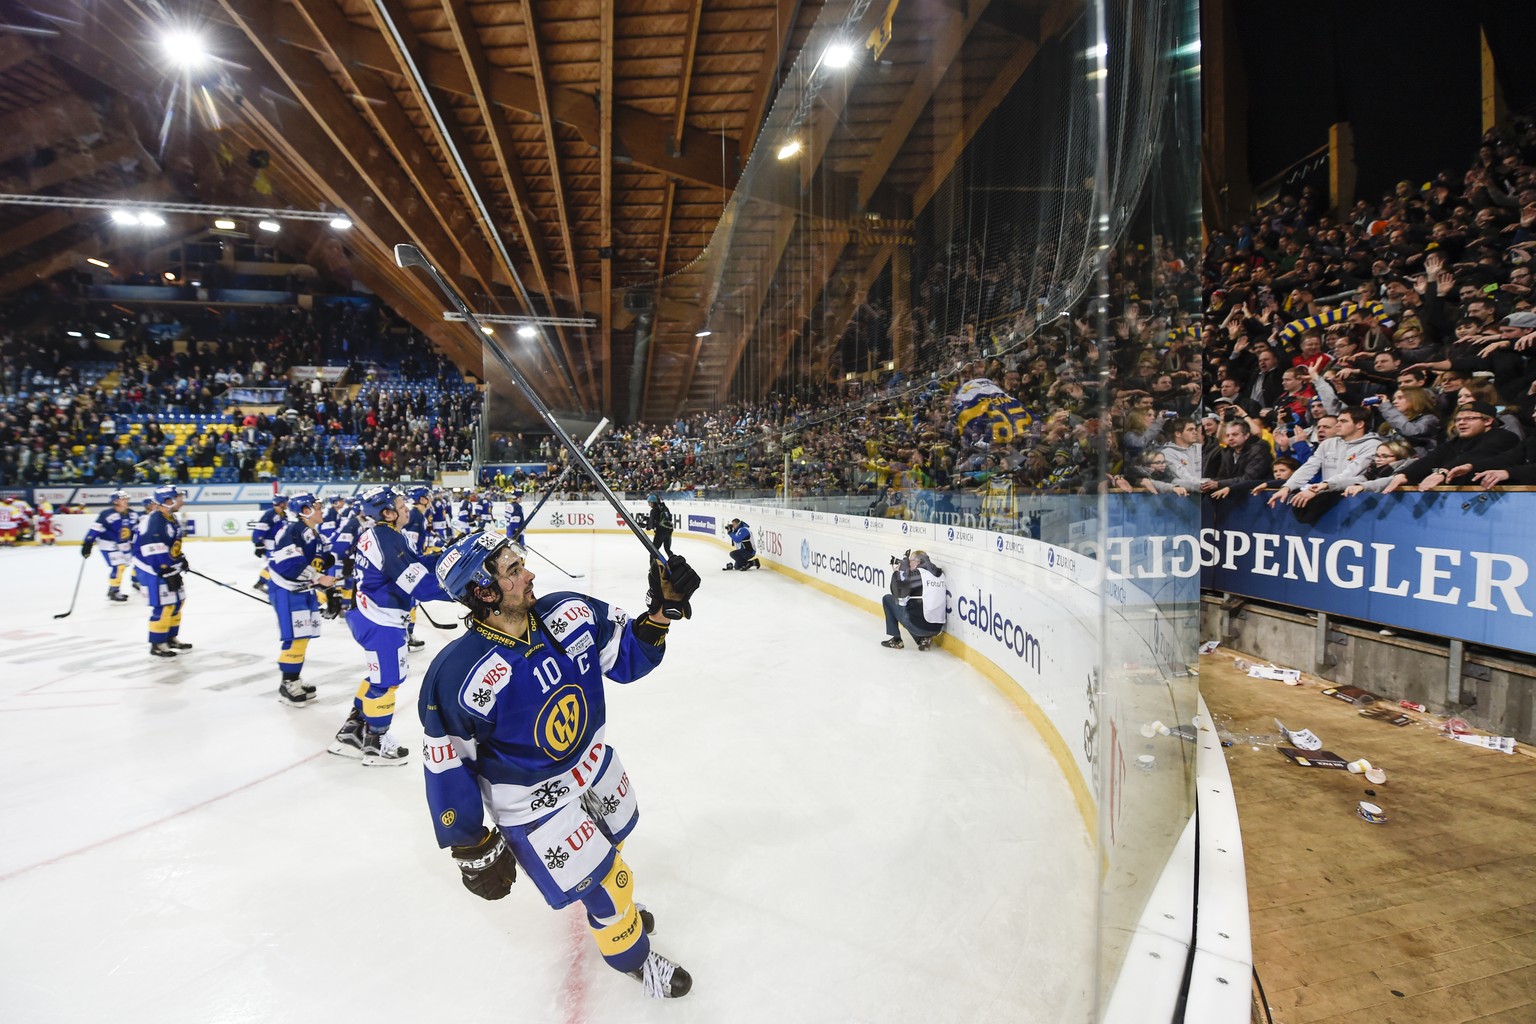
{"x": 488, "y": 330}
{"x": 184, "y": 49}
{"x": 838, "y": 55}
{"x": 527, "y": 332}
{"x": 124, "y": 217}
{"x": 224, "y": 224}
{"x": 103, "y": 335}
{"x": 340, "y": 223}
{"x": 269, "y": 225}
{"x": 93, "y": 261}
{"x": 150, "y": 219}
{"x": 789, "y": 150}
{"x": 170, "y": 275}
{"x": 74, "y": 334}
{"x": 702, "y": 334}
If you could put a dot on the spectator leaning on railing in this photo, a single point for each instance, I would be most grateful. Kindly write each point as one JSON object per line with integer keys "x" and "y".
{"x": 1477, "y": 438}
{"x": 1343, "y": 459}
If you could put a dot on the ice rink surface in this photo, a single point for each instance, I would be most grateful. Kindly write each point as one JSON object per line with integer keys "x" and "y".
{"x": 830, "y": 831}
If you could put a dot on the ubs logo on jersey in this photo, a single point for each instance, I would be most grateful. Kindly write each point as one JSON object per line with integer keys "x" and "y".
{"x": 561, "y": 722}
{"x": 770, "y": 542}
{"x": 480, "y": 693}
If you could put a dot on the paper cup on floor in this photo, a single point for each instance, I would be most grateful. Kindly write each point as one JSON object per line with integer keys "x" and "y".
{"x": 1371, "y": 813}
{"x": 1359, "y": 767}
{"x": 1376, "y": 776}
{"x": 1146, "y": 762}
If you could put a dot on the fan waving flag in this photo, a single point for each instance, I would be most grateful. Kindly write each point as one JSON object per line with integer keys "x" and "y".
{"x": 985, "y": 412}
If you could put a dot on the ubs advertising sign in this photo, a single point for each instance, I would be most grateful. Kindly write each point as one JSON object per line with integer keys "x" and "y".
{"x": 1448, "y": 563}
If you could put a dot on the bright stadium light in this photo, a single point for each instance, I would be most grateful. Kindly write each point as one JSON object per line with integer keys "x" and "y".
{"x": 224, "y": 224}
{"x": 789, "y": 150}
{"x": 124, "y": 217}
{"x": 340, "y": 223}
{"x": 488, "y": 330}
{"x": 268, "y": 225}
{"x": 527, "y": 332}
{"x": 170, "y": 275}
{"x": 838, "y": 55}
{"x": 93, "y": 261}
{"x": 184, "y": 49}
{"x": 702, "y": 334}
{"x": 103, "y": 336}
{"x": 151, "y": 220}
{"x": 74, "y": 334}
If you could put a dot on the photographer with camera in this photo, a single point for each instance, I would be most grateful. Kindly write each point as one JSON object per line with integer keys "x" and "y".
{"x": 917, "y": 600}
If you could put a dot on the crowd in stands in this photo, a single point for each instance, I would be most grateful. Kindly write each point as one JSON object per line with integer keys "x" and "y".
{"x": 1392, "y": 347}
{"x": 177, "y": 399}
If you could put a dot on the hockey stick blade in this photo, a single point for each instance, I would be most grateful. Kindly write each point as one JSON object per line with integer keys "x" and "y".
{"x": 434, "y": 623}
{"x": 407, "y": 255}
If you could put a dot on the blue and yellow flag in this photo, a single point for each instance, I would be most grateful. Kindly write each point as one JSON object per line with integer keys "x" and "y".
{"x": 985, "y": 412}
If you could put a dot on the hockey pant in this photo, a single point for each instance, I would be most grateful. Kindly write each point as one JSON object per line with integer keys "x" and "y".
{"x": 164, "y": 607}
{"x": 384, "y": 649}
{"x": 573, "y": 854}
{"x": 117, "y": 569}
{"x": 298, "y": 622}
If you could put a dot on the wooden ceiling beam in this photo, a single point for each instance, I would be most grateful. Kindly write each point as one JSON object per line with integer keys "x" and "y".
{"x": 954, "y": 28}
{"x": 786, "y": 13}
{"x": 552, "y": 145}
{"x": 393, "y": 126}
{"x": 500, "y": 137}
{"x": 640, "y": 137}
{"x": 410, "y": 51}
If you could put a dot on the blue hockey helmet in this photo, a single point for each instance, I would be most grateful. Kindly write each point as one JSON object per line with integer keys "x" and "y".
{"x": 279, "y": 498}
{"x": 118, "y": 495}
{"x": 375, "y": 500}
{"x": 416, "y": 494}
{"x": 301, "y": 502}
{"x": 463, "y": 565}
{"x": 166, "y": 494}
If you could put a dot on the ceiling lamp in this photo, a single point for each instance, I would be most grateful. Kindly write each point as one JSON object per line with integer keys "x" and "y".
{"x": 151, "y": 220}
{"x": 838, "y": 55}
{"x": 269, "y": 225}
{"x": 224, "y": 224}
{"x": 184, "y": 49}
{"x": 702, "y": 334}
{"x": 789, "y": 150}
{"x": 488, "y": 330}
{"x": 527, "y": 332}
{"x": 340, "y": 223}
{"x": 124, "y": 217}
{"x": 93, "y": 261}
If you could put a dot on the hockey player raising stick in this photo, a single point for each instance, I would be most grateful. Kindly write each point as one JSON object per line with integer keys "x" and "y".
{"x": 514, "y": 718}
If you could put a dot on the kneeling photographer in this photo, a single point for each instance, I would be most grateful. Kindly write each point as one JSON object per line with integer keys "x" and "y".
{"x": 917, "y": 600}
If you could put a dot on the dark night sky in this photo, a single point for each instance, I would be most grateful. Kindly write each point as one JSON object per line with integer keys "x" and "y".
{"x": 1404, "y": 73}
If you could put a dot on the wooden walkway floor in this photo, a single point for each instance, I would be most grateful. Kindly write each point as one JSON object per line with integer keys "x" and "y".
{"x": 1428, "y": 918}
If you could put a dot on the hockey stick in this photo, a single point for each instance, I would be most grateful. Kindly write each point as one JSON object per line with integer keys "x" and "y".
{"x": 555, "y": 486}
{"x": 435, "y": 624}
{"x": 551, "y": 561}
{"x": 407, "y": 255}
{"x": 78, "y": 577}
{"x": 226, "y": 586}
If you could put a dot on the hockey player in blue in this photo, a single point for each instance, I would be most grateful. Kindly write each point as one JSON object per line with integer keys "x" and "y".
{"x": 264, "y": 533}
{"x": 112, "y": 534}
{"x": 416, "y": 538}
{"x": 389, "y": 578}
{"x": 159, "y": 563}
{"x": 300, "y": 564}
{"x": 514, "y": 718}
{"x": 333, "y": 518}
{"x": 439, "y": 519}
{"x": 516, "y": 520}
{"x": 743, "y": 552}
{"x": 343, "y": 546}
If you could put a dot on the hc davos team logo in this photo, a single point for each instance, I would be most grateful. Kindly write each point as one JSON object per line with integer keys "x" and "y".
{"x": 805, "y": 554}
{"x": 562, "y": 722}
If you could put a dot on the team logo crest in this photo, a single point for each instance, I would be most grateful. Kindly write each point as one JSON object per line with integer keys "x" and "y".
{"x": 556, "y": 519}
{"x": 549, "y": 794}
{"x": 555, "y": 857}
{"x": 562, "y": 722}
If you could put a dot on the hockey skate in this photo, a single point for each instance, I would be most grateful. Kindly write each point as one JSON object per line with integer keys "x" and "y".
{"x": 114, "y": 595}
{"x": 893, "y": 642}
{"x": 260, "y": 586}
{"x": 924, "y": 642}
{"x": 661, "y": 978}
{"x": 294, "y": 693}
{"x": 380, "y": 749}
{"x": 177, "y": 645}
{"x": 162, "y": 651}
{"x": 755, "y": 564}
{"x": 415, "y": 644}
{"x": 349, "y": 738}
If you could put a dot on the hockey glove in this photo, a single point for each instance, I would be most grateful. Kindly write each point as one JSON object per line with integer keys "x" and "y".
{"x": 332, "y": 605}
{"x": 85, "y": 548}
{"x": 172, "y": 581}
{"x": 488, "y": 866}
{"x": 671, "y": 588}
{"x": 260, "y": 553}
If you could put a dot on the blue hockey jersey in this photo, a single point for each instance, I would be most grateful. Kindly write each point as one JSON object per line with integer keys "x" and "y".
{"x": 520, "y": 722}
{"x": 516, "y": 520}
{"x": 157, "y": 545}
{"x": 298, "y": 556}
{"x": 390, "y": 577}
{"x": 264, "y": 533}
{"x": 415, "y": 529}
{"x": 112, "y": 531}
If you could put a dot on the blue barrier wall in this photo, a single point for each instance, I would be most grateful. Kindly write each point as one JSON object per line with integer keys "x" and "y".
{"x": 1449, "y": 563}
